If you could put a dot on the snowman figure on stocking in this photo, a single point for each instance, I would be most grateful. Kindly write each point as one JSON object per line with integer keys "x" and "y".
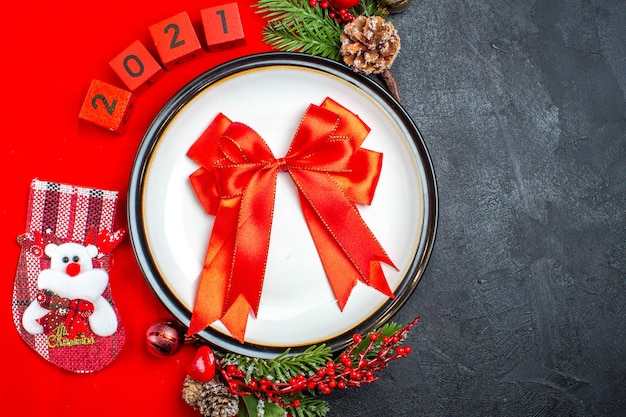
{"x": 70, "y": 293}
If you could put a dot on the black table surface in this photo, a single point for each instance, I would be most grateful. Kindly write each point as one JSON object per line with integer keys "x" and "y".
{"x": 522, "y": 107}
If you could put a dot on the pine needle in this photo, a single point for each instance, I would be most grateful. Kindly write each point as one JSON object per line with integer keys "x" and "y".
{"x": 284, "y": 366}
{"x": 295, "y": 26}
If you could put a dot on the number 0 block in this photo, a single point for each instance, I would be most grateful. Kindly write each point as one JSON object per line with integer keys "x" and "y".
{"x": 107, "y": 106}
{"x": 175, "y": 40}
{"x": 222, "y": 27}
{"x": 136, "y": 67}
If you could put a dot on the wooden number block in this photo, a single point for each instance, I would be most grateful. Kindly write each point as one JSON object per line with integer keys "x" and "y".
{"x": 107, "y": 106}
{"x": 222, "y": 27}
{"x": 136, "y": 67}
{"x": 175, "y": 40}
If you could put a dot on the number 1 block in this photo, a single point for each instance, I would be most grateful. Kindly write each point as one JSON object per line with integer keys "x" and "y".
{"x": 107, "y": 106}
{"x": 222, "y": 27}
{"x": 175, "y": 40}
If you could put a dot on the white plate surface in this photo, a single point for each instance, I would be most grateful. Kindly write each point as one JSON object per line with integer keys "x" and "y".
{"x": 297, "y": 305}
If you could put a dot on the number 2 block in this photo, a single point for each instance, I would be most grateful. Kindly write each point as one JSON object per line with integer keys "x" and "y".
{"x": 136, "y": 67}
{"x": 107, "y": 106}
{"x": 222, "y": 27}
{"x": 175, "y": 40}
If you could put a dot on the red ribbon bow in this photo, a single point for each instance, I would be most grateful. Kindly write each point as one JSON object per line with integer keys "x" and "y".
{"x": 71, "y": 312}
{"x": 236, "y": 182}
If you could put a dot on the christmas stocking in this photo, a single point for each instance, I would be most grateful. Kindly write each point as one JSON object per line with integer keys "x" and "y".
{"x": 62, "y": 303}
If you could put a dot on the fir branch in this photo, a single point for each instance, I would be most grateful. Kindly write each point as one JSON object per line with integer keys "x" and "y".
{"x": 306, "y": 41}
{"x": 282, "y": 367}
{"x": 369, "y": 8}
{"x": 386, "y": 330}
{"x": 294, "y": 25}
{"x": 309, "y": 407}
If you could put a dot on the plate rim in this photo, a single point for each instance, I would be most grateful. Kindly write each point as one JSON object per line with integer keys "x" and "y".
{"x": 150, "y": 139}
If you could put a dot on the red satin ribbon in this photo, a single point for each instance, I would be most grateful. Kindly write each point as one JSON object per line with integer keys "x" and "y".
{"x": 237, "y": 181}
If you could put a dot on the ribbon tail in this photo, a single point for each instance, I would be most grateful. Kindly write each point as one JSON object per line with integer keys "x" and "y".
{"x": 252, "y": 245}
{"x": 348, "y": 249}
{"x": 378, "y": 279}
{"x": 236, "y": 318}
{"x": 250, "y": 254}
{"x": 214, "y": 278}
{"x": 341, "y": 274}
{"x": 232, "y": 277}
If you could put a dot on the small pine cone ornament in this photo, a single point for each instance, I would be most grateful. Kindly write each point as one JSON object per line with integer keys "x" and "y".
{"x": 369, "y": 44}
{"x": 211, "y": 399}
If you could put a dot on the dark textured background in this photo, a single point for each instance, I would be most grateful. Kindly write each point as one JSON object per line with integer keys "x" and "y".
{"x": 521, "y": 105}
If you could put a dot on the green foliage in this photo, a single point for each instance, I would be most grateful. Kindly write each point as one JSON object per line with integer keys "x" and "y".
{"x": 253, "y": 407}
{"x": 295, "y": 26}
{"x": 369, "y": 8}
{"x": 388, "y": 329}
{"x": 309, "y": 407}
{"x": 286, "y": 366}
{"x": 282, "y": 367}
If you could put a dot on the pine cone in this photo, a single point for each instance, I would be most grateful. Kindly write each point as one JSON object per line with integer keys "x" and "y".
{"x": 369, "y": 44}
{"x": 211, "y": 398}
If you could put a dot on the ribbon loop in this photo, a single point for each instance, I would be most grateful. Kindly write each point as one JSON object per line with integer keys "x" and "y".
{"x": 237, "y": 182}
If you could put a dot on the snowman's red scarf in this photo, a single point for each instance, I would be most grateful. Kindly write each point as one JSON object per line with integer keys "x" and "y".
{"x": 71, "y": 312}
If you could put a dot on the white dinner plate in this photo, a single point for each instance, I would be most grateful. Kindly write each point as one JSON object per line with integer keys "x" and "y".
{"x": 269, "y": 92}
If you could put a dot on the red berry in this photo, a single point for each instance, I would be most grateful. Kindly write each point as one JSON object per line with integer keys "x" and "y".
{"x": 357, "y": 338}
{"x": 343, "y": 4}
{"x": 373, "y": 337}
{"x": 202, "y": 368}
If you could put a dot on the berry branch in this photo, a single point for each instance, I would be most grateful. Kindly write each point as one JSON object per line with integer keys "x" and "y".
{"x": 357, "y": 365}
